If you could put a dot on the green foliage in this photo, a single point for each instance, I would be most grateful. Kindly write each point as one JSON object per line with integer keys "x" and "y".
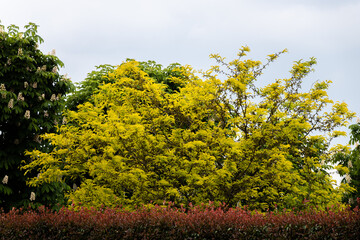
{"x": 172, "y": 76}
{"x": 350, "y": 162}
{"x": 31, "y": 100}
{"x": 355, "y": 134}
{"x": 88, "y": 87}
{"x": 169, "y": 76}
{"x": 210, "y": 140}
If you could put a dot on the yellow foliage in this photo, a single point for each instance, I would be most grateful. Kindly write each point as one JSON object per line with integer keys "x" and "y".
{"x": 219, "y": 140}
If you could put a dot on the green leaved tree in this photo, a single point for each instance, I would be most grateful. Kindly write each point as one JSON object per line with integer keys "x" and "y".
{"x": 221, "y": 139}
{"x": 31, "y": 101}
{"x": 169, "y": 76}
{"x": 349, "y": 165}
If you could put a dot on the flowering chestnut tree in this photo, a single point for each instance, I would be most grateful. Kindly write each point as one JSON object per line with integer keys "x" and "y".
{"x": 31, "y": 100}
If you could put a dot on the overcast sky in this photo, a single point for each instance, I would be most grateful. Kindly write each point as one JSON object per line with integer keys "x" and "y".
{"x": 93, "y": 32}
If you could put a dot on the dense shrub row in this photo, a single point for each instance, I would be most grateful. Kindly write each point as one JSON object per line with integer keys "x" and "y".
{"x": 177, "y": 223}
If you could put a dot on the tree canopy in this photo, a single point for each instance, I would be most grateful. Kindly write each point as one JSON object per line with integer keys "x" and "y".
{"x": 219, "y": 137}
{"x": 32, "y": 99}
{"x": 169, "y": 76}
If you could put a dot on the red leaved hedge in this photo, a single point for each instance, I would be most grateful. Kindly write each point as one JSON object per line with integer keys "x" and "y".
{"x": 176, "y": 223}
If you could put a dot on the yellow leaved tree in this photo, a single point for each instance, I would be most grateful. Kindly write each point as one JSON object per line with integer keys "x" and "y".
{"x": 218, "y": 138}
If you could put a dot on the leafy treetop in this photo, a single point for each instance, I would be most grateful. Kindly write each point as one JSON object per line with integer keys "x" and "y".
{"x": 168, "y": 76}
{"x": 211, "y": 140}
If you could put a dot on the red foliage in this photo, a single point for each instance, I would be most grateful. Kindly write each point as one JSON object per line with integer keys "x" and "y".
{"x": 202, "y": 222}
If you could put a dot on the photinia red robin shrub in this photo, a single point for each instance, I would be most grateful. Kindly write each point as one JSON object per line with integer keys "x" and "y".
{"x": 167, "y": 222}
